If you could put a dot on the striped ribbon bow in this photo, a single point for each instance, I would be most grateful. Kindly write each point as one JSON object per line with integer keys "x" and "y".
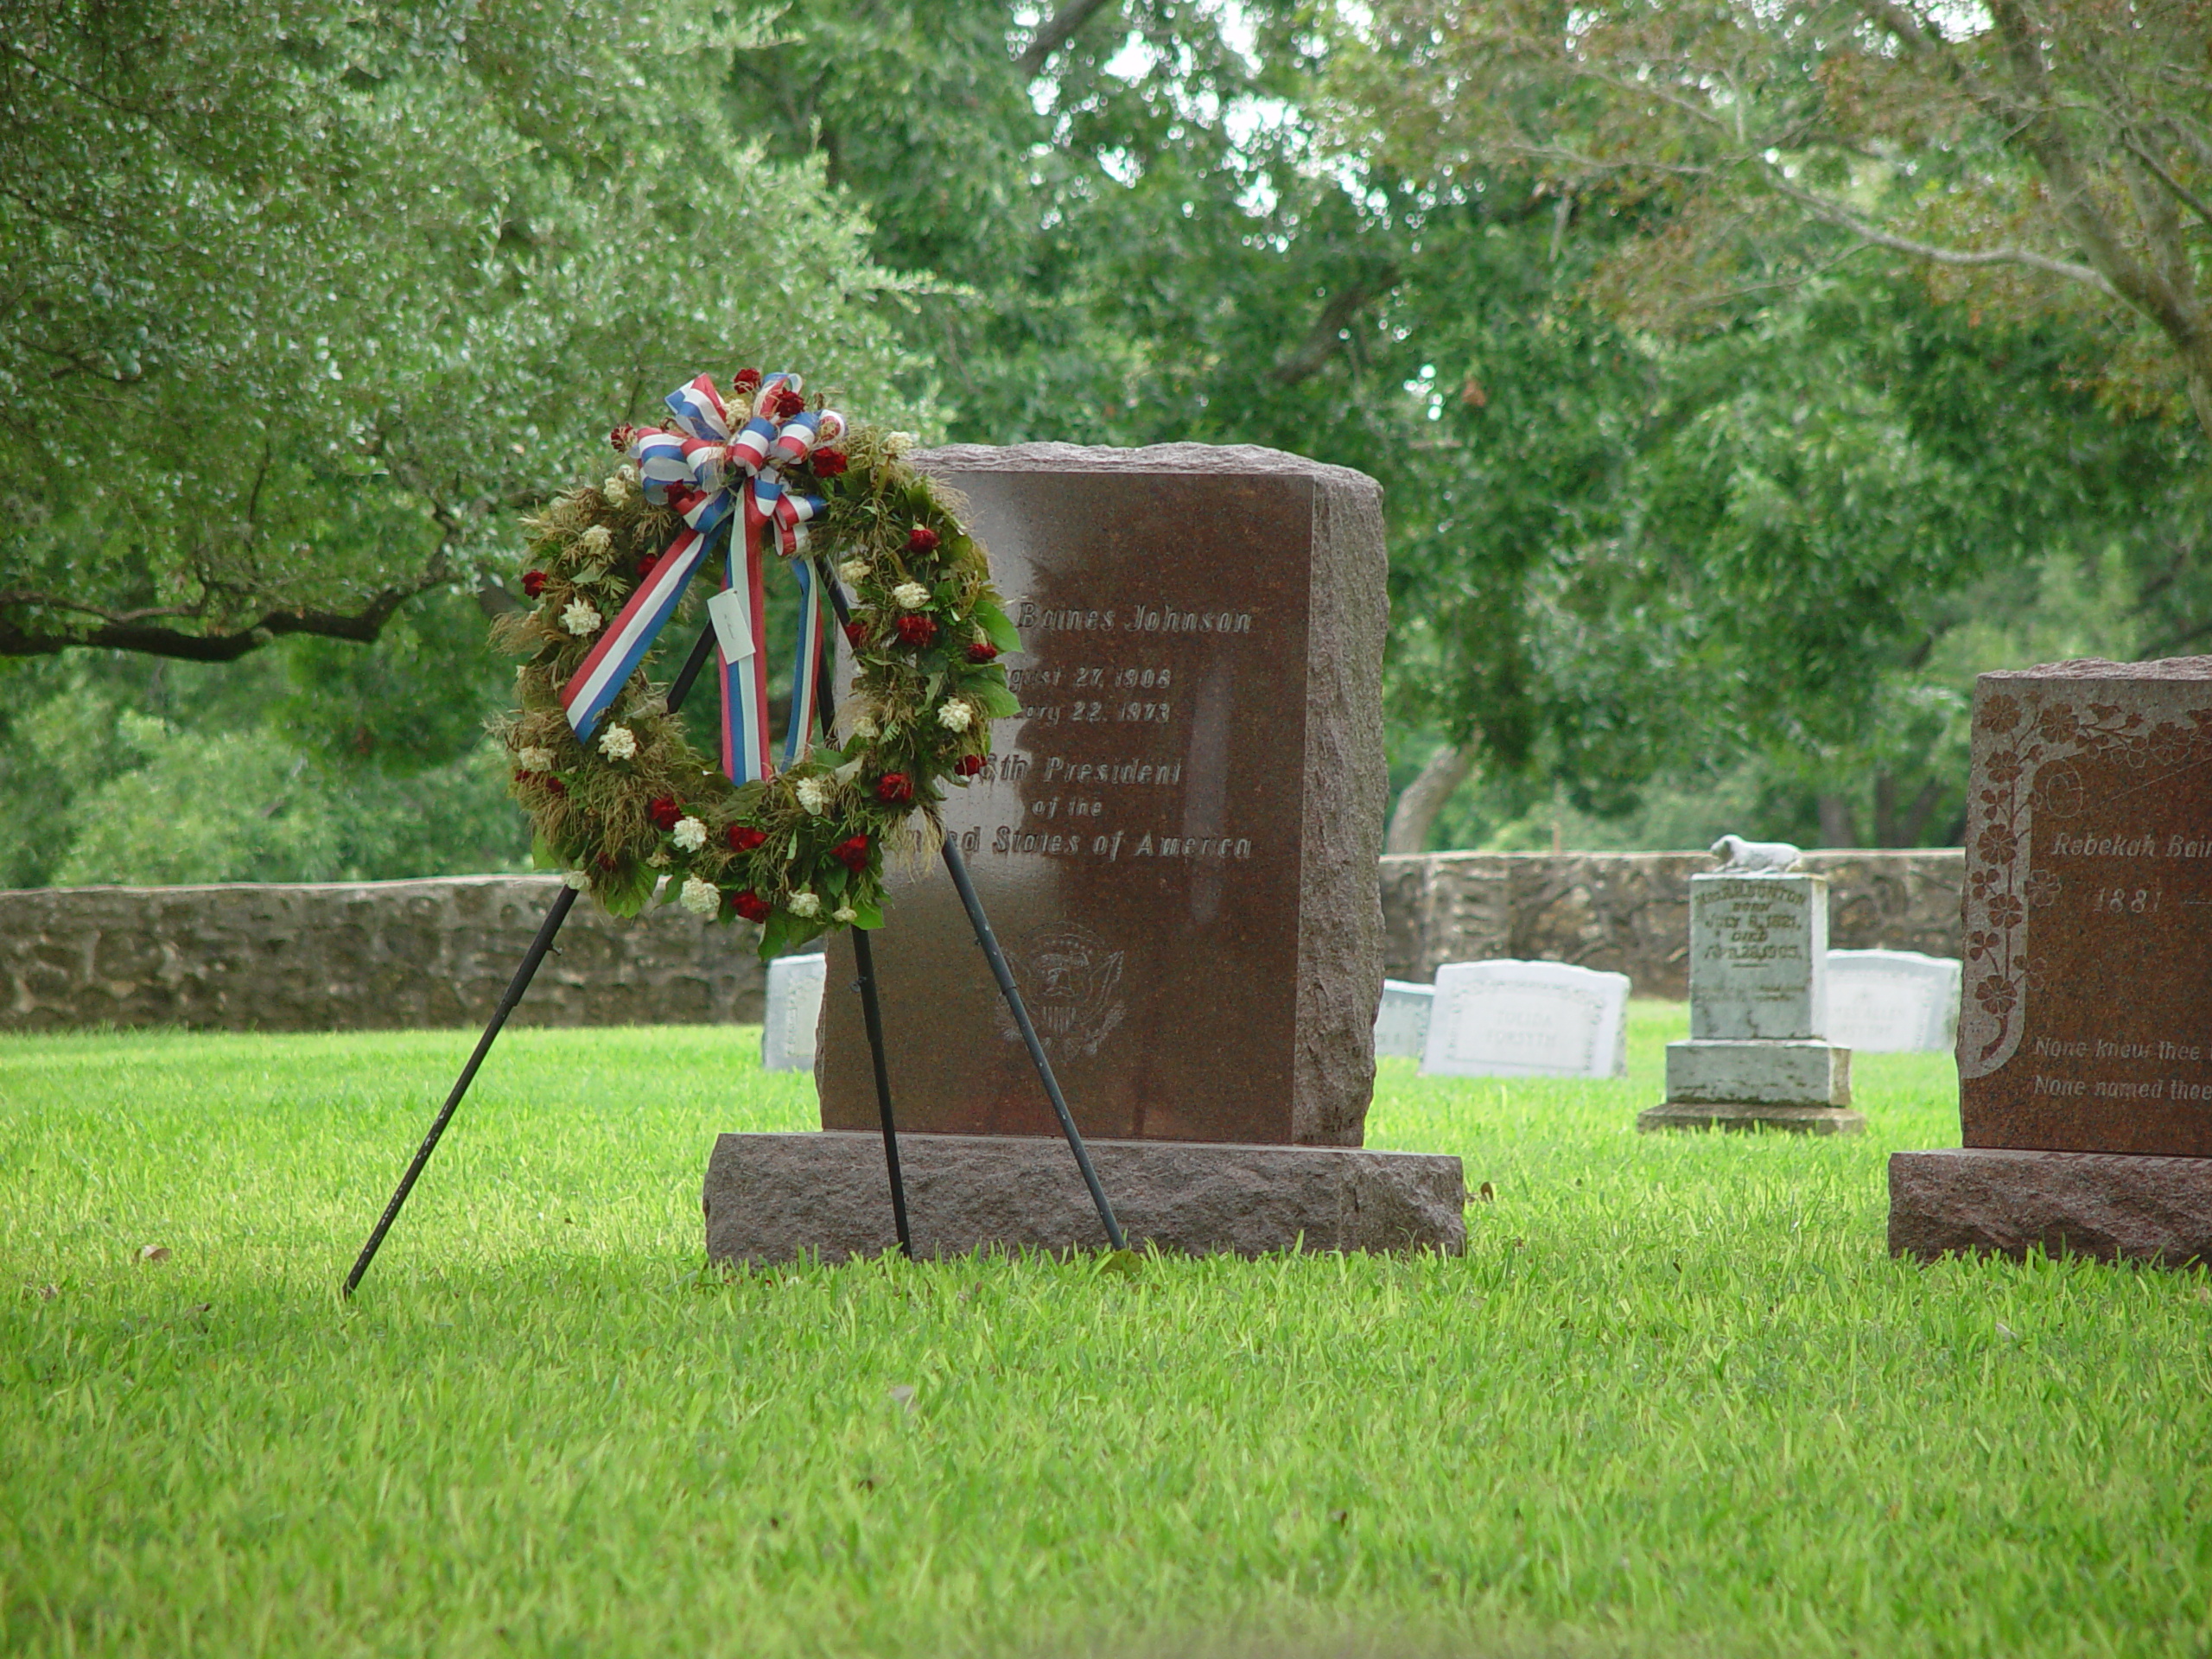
{"x": 707, "y": 473}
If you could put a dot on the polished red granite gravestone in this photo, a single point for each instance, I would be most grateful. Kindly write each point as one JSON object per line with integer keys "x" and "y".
{"x": 1177, "y": 844}
{"x": 2085, "y": 1026}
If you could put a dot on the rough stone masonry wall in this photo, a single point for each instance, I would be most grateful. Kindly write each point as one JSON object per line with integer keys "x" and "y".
{"x": 354, "y": 955}
{"x": 1629, "y": 913}
{"x": 342, "y": 956}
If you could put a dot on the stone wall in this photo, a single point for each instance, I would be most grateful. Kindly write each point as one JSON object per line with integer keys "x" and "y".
{"x": 343, "y": 956}
{"x": 1629, "y": 913}
{"x": 353, "y": 956}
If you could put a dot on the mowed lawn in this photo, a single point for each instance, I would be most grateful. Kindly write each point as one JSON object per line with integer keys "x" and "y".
{"x": 1675, "y": 1398}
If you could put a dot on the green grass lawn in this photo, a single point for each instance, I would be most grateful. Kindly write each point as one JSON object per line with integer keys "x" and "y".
{"x": 1675, "y": 1398}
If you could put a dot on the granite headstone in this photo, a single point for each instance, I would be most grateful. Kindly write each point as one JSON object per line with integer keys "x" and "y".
{"x": 1177, "y": 838}
{"x": 1892, "y": 1001}
{"x": 794, "y": 1006}
{"x": 1758, "y": 1052}
{"x": 1527, "y": 1020}
{"x": 2085, "y": 1034}
{"x": 1402, "y": 1023}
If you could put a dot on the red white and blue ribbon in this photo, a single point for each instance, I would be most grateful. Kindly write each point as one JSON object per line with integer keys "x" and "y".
{"x": 708, "y": 473}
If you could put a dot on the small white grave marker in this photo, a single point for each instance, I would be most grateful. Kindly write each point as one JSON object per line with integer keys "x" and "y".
{"x": 1402, "y": 1023}
{"x": 794, "y": 1006}
{"x": 1893, "y": 1001}
{"x": 1527, "y": 1020}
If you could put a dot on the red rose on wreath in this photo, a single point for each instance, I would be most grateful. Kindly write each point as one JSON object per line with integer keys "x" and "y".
{"x": 784, "y": 403}
{"x": 916, "y": 630}
{"x": 749, "y": 904}
{"x": 852, "y": 854}
{"x": 620, "y": 436}
{"x": 746, "y": 379}
{"x": 968, "y": 765}
{"x": 856, "y": 633}
{"x": 556, "y": 787}
{"x": 894, "y": 787}
{"x": 982, "y": 651}
{"x": 921, "y": 539}
{"x": 664, "y": 811}
{"x": 533, "y": 583}
{"x": 743, "y": 837}
{"x": 828, "y": 463}
{"x": 645, "y": 564}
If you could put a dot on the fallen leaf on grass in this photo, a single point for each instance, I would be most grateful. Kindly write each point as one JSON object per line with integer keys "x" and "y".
{"x": 1486, "y": 1192}
{"x": 902, "y": 1394}
{"x": 2203, "y": 1294}
{"x": 44, "y": 1292}
{"x": 153, "y": 1253}
{"x": 1340, "y": 1515}
{"x": 2007, "y": 1332}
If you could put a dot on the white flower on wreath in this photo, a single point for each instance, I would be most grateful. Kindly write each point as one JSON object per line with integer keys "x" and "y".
{"x": 864, "y": 727}
{"x": 955, "y": 716}
{"x": 846, "y": 914}
{"x": 617, "y": 487}
{"x": 597, "y": 540}
{"x": 658, "y": 859}
{"x": 689, "y": 834}
{"x": 852, "y": 570}
{"x": 813, "y": 794}
{"x": 805, "y": 904}
{"x": 534, "y": 758}
{"x": 699, "y": 896}
{"x": 911, "y": 595}
{"x": 582, "y": 618}
{"x": 577, "y": 880}
{"x": 618, "y": 743}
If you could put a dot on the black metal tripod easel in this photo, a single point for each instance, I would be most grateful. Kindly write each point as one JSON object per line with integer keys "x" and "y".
{"x": 871, "y": 1011}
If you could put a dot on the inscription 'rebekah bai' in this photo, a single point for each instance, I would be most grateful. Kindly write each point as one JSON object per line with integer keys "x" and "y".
{"x": 1175, "y": 838}
{"x": 2085, "y": 1024}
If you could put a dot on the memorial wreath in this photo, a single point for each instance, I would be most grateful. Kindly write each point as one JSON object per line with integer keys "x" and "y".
{"x": 617, "y": 798}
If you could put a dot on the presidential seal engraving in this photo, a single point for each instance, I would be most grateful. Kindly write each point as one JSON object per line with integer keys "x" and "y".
{"x": 1071, "y": 982}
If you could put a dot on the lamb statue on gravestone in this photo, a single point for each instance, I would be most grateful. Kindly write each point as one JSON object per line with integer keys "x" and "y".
{"x": 1754, "y": 857}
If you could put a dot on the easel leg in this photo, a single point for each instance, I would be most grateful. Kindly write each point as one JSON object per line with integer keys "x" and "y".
{"x": 958, "y": 867}
{"x": 871, "y": 1013}
{"x": 538, "y": 946}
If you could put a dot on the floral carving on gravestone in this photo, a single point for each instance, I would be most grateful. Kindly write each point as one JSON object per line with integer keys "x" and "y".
{"x": 2031, "y": 773}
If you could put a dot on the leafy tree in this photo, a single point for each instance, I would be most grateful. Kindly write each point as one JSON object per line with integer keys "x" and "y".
{"x": 301, "y": 295}
{"x": 2057, "y": 145}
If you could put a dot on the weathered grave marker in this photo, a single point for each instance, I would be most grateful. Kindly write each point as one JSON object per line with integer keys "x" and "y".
{"x": 1758, "y": 1052}
{"x": 794, "y": 1008}
{"x": 2085, "y": 1032}
{"x": 1527, "y": 1020}
{"x": 1176, "y": 842}
{"x": 1402, "y": 1023}
{"x": 1892, "y": 1001}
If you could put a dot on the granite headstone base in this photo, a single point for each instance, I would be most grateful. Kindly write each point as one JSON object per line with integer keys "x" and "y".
{"x": 772, "y": 1198}
{"x": 1747, "y": 1114}
{"x": 2116, "y": 1206}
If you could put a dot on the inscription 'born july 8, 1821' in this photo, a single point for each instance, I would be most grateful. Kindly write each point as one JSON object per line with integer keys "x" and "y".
{"x": 1138, "y": 834}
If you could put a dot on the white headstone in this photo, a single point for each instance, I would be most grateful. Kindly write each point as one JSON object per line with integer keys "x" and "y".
{"x": 1893, "y": 1001}
{"x": 1758, "y": 956}
{"x": 794, "y": 1006}
{"x": 1402, "y": 1023}
{"x": 1527, "y": 1020}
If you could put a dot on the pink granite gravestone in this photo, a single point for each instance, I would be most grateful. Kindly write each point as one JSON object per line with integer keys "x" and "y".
{"x": 2085, "y": 1028}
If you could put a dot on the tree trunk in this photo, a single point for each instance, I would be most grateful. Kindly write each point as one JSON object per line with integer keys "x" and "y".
{"x": 1836, "y": 828}
{"x": 1415, "y": 813}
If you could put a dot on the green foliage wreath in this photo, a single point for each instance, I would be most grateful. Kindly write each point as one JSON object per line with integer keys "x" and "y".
{"x": 801, "y": 852}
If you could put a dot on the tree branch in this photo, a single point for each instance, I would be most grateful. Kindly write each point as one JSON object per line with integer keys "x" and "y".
{"x": 1320, "y": 344}
{"x": 2187, "y": 197}
{"x": 1837, "y": 214}
{"x": 361, "y": 626}
{"x": 1054, "y": 33}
